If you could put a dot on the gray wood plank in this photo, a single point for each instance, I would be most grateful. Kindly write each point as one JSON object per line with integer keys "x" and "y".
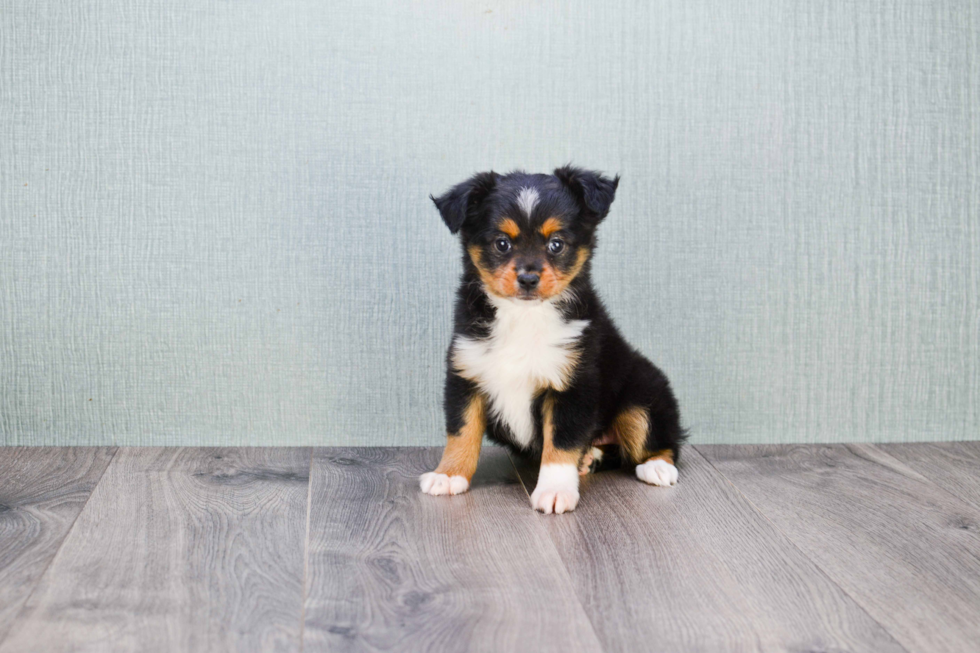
{"x": 393, "y": 569}
{"x": 179, "y": 550}
{"x": 953, "y": 466}
{"x": 696, "y": 568}
{"x": 906, "y": 550}
{"x": 42, "y": 490}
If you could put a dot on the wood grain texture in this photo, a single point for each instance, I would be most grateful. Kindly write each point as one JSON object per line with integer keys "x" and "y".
{"x": 179, "y": 550}
{"x": 42, "y": 490}
{"x": 696, "y": 568}
{"x": 904, "y": 549}
{"x": 393, "y": 569}
{"x": 953, "y": 466}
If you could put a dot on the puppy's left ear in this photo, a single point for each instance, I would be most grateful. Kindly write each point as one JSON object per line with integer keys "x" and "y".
{"x": 463, "y": 200}
{"x": 594, "y": 191}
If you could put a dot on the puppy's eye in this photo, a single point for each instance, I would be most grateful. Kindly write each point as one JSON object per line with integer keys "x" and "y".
{"x": 502, "y": 245}
{"x": 556, "y": 246}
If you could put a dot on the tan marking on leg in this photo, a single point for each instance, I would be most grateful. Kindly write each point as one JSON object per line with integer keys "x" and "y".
{"x": 463, "y": 448}
{"x": 658, "y": 469}
{"x": 664, "y": 454}
{"x": 550, "y": 226}
{"x": 550, "y": 455}
{"x": 509, "y": 227}
{"x": 632, "y": 426}
{"x": 556, "y": 491}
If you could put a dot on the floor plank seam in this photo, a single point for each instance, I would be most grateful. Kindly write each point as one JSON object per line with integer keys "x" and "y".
{"x": 927, "y": 479}
{"x": 518, "y": 474}
{"x": 554, "y": 546}
{"x": 803, "y": 553}
{"x": 306, "y": 553}
{"x": 61, "y": 544}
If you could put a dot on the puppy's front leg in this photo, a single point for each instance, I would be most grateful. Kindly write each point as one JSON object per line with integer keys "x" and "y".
{"x": 459, "y": 459}
{"x": 566, "y": 426}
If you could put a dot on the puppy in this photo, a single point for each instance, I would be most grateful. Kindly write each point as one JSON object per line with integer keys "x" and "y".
{"x": 535, "y": 361}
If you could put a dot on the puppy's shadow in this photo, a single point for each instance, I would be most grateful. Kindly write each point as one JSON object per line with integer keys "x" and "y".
{"x": 496, "y": 469}
{"x": 527, "y": 469}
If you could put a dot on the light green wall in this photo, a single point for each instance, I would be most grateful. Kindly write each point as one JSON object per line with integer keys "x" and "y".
{"x": 214, "y": 226}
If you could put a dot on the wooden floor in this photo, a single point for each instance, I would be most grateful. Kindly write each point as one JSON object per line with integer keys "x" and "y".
{"x": 758, "y": 548}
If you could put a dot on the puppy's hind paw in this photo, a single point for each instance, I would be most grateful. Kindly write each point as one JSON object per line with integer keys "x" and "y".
{"x": 436, "y": 484}
{"x": 657, "y": 472}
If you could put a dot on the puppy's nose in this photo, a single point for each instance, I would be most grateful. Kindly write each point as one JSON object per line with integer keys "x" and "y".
{"x": 528, "y": 281}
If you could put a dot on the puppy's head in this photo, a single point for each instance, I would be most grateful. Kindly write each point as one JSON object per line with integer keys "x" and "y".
{"x": 528, "y": 236}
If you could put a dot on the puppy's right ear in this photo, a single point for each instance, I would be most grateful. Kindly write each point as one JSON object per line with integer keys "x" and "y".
{"x": 464, "y": 199}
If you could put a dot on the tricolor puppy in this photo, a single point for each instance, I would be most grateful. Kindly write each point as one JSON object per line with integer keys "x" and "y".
{"x": 536, "y": 362}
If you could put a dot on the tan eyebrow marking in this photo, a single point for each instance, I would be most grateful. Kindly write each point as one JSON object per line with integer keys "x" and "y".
{"x": 509, "y": 227}
{"x": 550, "y": 226}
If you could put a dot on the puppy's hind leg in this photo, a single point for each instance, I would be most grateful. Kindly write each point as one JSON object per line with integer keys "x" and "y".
{"x": 602, "y": 455}
{"x": 648, "y": 427}
{"x": 658, "y": 470}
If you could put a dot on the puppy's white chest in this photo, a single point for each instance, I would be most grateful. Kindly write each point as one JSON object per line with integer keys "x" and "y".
{"x": 530, "y": 347}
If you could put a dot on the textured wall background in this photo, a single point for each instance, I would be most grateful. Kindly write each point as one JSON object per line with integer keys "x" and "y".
{"x": 214, "y": 226}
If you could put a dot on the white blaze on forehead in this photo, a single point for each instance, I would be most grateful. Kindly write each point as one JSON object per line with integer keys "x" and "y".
{"x": 527, "y": 199}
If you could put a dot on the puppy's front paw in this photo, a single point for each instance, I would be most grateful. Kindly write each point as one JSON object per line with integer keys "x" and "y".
{"x": 557, "y": 489}
{"x": 435, "y": 484}
{"x": 553, "y": 501}
{"x": 657, "y": 472}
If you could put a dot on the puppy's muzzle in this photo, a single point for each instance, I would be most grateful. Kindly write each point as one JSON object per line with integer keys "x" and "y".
{"x": 528, "y": 281}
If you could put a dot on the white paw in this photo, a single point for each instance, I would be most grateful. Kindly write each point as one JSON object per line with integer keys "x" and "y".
{"x": 553, "y": 501}
{"x": 657, "y": 472}
{"x": 435, "y": 484}
{"x": 557, "y": 489}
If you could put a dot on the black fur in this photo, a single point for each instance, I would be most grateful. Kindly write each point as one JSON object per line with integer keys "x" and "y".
{"x": 462, "y": 200}
{"x": 610, "y": 375}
